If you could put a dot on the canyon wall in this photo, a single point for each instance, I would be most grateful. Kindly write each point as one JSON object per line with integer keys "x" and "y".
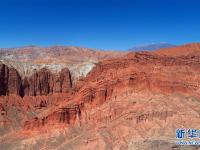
{"x": 10, "y": 81}
{"x": 42, "y": 82}
{"x": 136, "y": 73}
{"x": 120, "y": 103}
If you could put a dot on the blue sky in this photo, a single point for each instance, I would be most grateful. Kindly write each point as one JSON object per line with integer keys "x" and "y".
{"x": 102, "y": 24}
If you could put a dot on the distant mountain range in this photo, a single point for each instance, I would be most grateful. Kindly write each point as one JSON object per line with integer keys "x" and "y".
{"x": 143, "y": 47}
{"x": 153, "y": 46}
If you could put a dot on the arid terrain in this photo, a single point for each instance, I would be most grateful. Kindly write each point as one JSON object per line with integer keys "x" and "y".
{"x": 71, "y": 98}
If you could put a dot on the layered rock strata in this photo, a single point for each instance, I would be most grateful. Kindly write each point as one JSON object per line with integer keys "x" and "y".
{"x": 136, "y": 73}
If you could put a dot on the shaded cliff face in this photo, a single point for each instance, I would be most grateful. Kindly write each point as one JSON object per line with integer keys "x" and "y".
{"x": 42, "y": 82}
{"x": 64, "y": 82}
{"x": 10, "y": 81}
{"x": 3, "y": 79}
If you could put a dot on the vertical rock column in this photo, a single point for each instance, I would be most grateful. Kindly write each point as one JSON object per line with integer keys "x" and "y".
{"x": 14, "y": 83}
{"x": 3, "y": 79}
{"x": 10, "y": 81}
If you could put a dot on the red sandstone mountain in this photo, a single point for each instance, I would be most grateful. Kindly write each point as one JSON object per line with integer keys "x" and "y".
{"x": 185, "y": 50}
{"x": 133, "y": 102}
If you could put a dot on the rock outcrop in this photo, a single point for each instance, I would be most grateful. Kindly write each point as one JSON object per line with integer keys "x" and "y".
{"x": 42, "y": 82}
{"x": 3, "y": 79}
{"x": 65, "y": 115}
{"x": 63, "y": 82}
{"x": 10, "y": 81}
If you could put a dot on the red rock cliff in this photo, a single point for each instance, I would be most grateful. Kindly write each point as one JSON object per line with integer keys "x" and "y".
{"x": 136, "y": 73}
{"x": 10, "y": 81}
{"x": 42, "y": 82}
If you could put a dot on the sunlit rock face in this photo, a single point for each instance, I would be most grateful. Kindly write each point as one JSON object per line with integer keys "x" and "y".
{"x": 133, "y": 102}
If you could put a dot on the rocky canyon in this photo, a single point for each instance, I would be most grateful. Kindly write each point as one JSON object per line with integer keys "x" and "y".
{"x": 71, "y": 98}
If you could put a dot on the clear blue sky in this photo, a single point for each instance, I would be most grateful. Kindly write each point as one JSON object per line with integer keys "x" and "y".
{"x": 103, "y": 24}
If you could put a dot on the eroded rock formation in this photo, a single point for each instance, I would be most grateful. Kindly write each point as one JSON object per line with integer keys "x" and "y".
{"x": 121, "y": 104}
{"x": 3, "y": 79}
{"x": 65, "y": 115}
{"x": 10, "y": 81}
{"x": 140, "y": 72}
{"x": 42, "y": 82}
